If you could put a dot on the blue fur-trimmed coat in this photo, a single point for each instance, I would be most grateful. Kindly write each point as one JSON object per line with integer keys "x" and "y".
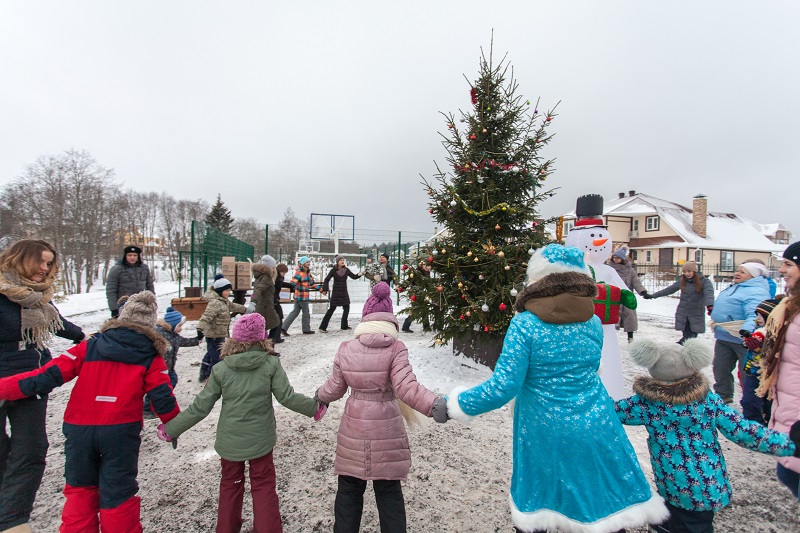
{"x": 682, "y": 419}
{"x": 574, "y": 468}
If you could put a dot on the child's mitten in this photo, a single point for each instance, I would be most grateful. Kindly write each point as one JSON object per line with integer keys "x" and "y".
{"x": 440, "y": 410}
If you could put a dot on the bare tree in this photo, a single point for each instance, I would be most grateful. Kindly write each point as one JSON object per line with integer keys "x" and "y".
{"x": 285, "y": 239}
{"x": 250, "y": 231}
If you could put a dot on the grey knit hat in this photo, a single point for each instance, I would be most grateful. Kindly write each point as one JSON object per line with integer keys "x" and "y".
{"x": 141, "y": 308}
{"x": 268, "y": 260}
{"x": 670, "y": 362}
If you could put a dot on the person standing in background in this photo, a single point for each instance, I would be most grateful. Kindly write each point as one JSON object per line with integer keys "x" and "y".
{"x": 127, "y": 277}
{"x": 628, "y": 319}
{"x": 28, "y": 320}
{"x": 340, "y": 297}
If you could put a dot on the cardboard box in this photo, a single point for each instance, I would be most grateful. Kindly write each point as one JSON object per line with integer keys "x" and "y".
{"x": 243, "y": 283}
{"x": 229, "y": 267}
{"x": 244, "y": 268}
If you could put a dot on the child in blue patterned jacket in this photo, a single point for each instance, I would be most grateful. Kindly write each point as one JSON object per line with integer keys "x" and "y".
{"x": 682, "y": 416}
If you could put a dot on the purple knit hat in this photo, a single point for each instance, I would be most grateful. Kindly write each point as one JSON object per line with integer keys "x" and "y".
{"x": 380, "y": 301}
{"x": 250, "y": 328}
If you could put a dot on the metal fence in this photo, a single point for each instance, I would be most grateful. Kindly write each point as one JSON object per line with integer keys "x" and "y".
{"x": 657, "y": 277}
{"x": 203, "y": 260}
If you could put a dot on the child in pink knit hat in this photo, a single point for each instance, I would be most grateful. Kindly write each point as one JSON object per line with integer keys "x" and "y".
{"x": 380, "y": 301}
{"x": 372, "y": 440}
{"x": 246, "y": 379}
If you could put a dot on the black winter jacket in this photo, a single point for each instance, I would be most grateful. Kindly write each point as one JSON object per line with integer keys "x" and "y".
{"x": 339, "y": 296}
{"x": 15, "y": 359}
{"x": 125, "y": 280}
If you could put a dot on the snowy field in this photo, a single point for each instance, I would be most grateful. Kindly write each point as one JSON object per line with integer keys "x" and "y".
{"x": 460, "y": 475}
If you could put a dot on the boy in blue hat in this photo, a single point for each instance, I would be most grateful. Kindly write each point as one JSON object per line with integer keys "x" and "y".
{"x": 170, "y": 327}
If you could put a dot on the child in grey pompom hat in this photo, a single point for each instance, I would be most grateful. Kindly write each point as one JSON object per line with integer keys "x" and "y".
{"x": 683, "y": 418}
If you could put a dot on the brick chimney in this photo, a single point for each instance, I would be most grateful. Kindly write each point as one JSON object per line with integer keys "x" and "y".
{"x": 699, "y": 214}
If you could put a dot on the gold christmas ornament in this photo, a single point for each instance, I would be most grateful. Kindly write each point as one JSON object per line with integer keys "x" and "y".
{"x": 507, "y": 267}
{"x": 469, "y": 254}
{"x": 476, "y": 259}
{"x": 460, "y": 284}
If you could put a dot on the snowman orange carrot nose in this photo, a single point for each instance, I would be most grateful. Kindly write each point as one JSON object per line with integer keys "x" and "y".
{"x": 599, "y": 242}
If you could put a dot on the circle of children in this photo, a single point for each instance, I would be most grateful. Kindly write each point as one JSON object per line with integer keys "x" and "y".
{"x": 574, "y": 468}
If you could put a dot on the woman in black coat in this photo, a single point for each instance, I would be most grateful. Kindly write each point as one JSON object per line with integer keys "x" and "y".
{"x": 697, "y": 298}
{"x": 339, "y": 297}
{"x": 28, "y": 320}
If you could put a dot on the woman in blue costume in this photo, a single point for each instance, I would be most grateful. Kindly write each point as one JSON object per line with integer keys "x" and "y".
{"x": 574, "y": 468}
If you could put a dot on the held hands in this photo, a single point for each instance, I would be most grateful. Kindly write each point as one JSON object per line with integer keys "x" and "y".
{"x": 743, "y": 333}
{"x": 794, "y": 434}
{"x": 647, "y": 296}
{"x": 322, "y": 408}
{"x": 200, "y": 334}
{"x": 250, "y": 308}
{"x": 114, "y": 313}
{"x": 163, "y": 434}
{"x": 709, "y": 308}
{"x": 440, "y": 410}
{"x": 376, "y": 277}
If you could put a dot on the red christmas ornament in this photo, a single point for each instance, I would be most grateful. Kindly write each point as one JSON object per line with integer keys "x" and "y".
{"x": 486, "y": 328}
{"x": 413, "y": 297}
{"x": 430, "y": 211}
{"x": 549, "y": 119}
{"x": 497, "y": 227}
{"x": 462, "y": 317}
{"x": 473, "y": 136}
{"x": 502, "y": 307}
{"x": 450, "y": 126}
{"x": 404, "y": 267}
{"x": 473, "y": 94}
{"x": 535, "y": 223}
{"x": 399, "y": 289}
{"x": 440, "y": 288}
{"x": 430, "y": 259}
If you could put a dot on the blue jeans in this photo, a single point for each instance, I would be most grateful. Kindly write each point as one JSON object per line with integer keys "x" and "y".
{"x": 213, "y": 347}
{"x": 790, "y": 478}
{"x": 754, "y": 407}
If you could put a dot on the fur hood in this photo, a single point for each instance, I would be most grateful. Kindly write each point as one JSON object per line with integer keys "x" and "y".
{"x": 159, "y": 343}
{"x": 230, "y": 347}
{"x": 573, "y": 283}
{"x": 261, "y": 270}
{"x": 688, "y": 390}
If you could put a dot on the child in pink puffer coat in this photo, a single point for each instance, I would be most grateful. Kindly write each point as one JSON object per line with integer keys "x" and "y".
{"x": 372, "y": 441}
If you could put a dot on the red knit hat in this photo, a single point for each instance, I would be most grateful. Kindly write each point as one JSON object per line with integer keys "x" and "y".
{"x": 249, "y": 328}
{"x": 380, "y": 301}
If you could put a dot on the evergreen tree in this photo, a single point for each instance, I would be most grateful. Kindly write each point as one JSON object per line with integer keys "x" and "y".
{"x": 220, "y": 217}
{"x": 488, "y": 205}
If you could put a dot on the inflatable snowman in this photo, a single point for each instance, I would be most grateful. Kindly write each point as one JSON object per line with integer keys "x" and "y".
{"x": 590, "y": 235}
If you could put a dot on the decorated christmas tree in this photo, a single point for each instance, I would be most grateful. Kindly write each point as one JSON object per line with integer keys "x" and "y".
{"x": 487, "y": 202}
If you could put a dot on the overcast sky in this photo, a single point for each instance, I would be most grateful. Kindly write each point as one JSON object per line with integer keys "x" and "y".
{"x": 334, "y": 106}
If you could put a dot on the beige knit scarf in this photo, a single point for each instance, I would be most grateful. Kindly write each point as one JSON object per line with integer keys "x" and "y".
{"x": 776, "y": 324}
{"x": 376, "y": 326}
{"x": 40, "y": 320}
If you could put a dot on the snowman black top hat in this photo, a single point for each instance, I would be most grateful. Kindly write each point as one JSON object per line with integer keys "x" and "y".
{"x": 589, "y": 211}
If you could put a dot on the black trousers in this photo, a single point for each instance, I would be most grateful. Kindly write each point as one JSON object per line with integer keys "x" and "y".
{"x": 106, "y": 457}
{"x": 22, "y": 458}
{"x": 350, "y": 504}
{"x": 329, "y": 314}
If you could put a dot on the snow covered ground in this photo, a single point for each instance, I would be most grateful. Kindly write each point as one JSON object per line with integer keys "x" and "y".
{"x": 460, "y": 475}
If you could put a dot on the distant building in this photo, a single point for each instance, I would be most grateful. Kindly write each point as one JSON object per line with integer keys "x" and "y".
{"x": 660, "y": 232}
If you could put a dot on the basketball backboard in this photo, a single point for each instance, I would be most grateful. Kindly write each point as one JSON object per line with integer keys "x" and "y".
{"x": 325, "y": 226}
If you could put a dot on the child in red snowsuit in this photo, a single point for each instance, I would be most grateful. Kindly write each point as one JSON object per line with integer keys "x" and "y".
{"x": 103, "y": 419}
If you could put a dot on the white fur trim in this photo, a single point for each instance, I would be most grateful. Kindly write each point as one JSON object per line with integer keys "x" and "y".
{"x": 454, "y": 410}
{"x": 376, "y": 326}
{"x": 539, "y": 267}
{"x": 653, "y": 511}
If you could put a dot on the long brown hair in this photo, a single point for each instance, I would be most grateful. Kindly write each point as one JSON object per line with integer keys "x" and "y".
{"x": 698, "y": 283}
{"x": 24, "y": 254}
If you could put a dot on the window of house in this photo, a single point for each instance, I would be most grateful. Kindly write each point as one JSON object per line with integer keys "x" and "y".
{"x": 648, "y": 256}
{"x": 726, "y": 261}
{"x": 634, "y": 255}
{"x": 651, "y": 223}
{"x": 635, "y": 224}
{"x": 568, "y": 225}
{"x": 698, "y": 257}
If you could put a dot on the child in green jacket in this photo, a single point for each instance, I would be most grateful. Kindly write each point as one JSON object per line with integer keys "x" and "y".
{"x": 246, "y": 378}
